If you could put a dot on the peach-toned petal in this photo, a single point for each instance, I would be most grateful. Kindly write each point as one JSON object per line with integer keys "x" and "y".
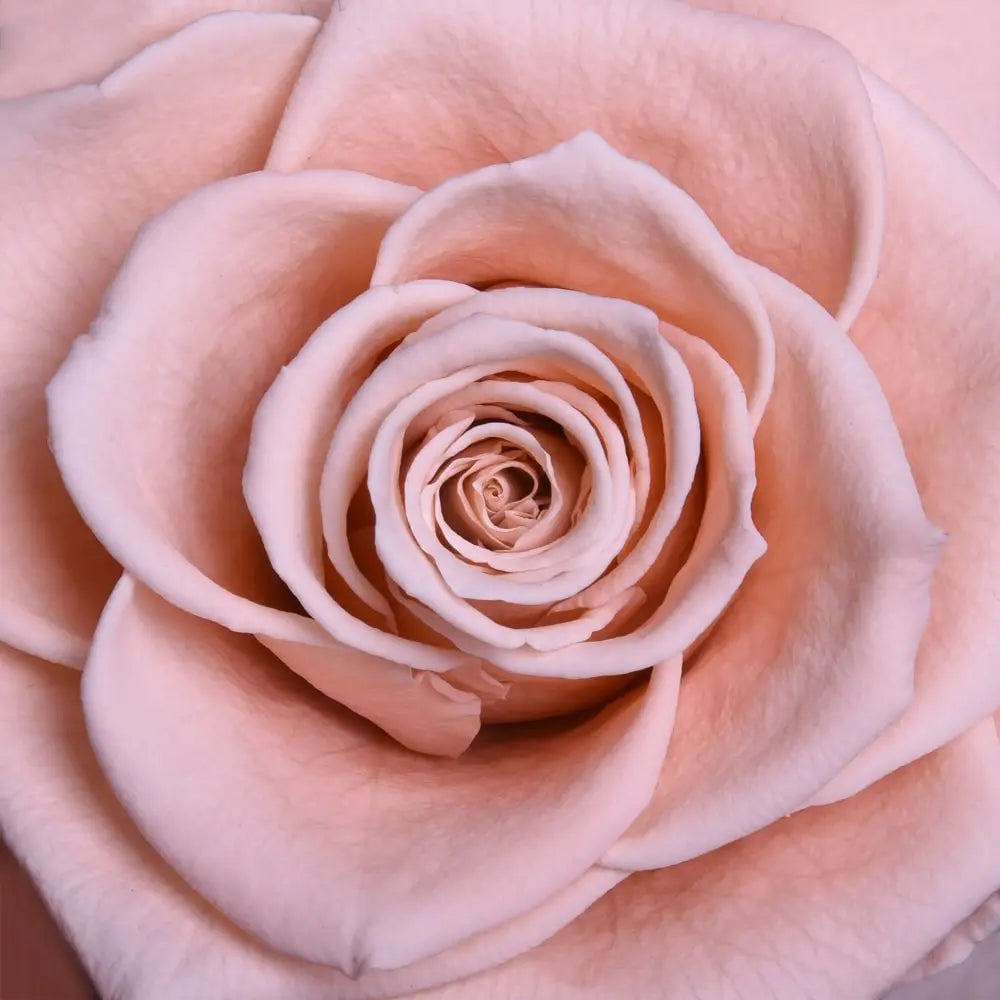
{"x": 583, "y": 216}
{"x": 960, "y": 942}
{"x": 716, "y": 103}
{"x": 201, "y": 105}
{"x": 58, "y": 43}
{"x": 942, "y": 56}
{"x": 833, "y": 903}
{"x": 288, "y": 446}
{"x": 351, "y": 850}
{"x": 815, "y": 655}
{"x": 420, "y": 709}
{"x": 151, "y": 413}
{"x": 932, "y": 335}
{"x": 142, "y": 932}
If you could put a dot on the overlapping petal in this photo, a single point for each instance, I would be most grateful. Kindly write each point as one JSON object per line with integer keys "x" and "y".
{"x": 150, "y": 415}
{"x": 834, "y": 902}
{"x": 583, "y": 216}
{"x": 352, "y": 850}
{"x": 58, "y": 43}
{"x": 931, "y": 336}
{"x": 715, "y": 103}
{"x": 200, "y": 105}
{"x": 941, "y": 56}
{"x": 815, "y": 656}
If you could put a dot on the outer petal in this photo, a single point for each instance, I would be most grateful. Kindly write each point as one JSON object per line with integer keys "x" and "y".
{"x": 829, "y": 904}
{"x": 932, "y": 335}
{"x": 815, "y": 654}
{"x": 351, "y": 850}
{"x": 198, "y": 106}
{"x": 942, "y": 56}
{"x": 716, "y": 103}
{"x": 151, "y": 413}
{"x": 143, "y": 934}
{"x": 56, "y": 43}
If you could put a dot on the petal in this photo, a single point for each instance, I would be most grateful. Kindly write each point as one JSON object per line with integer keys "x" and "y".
{"x": 420, "y": 709}
{"x": 815, "y": 655}
{"x": 56, "y": 43}
{"x": 582, "y": 216}
{"x": 151, "y": 413}
{"x": 351, "y": 850}
{"x": 290, "y": 438}
{"x": 941, "y": 56}
{"x": 932, "y": 335}
{"x": 179, "y": 115}
{"x": 832, "y": 903}
{"x": 783, "y": 158}
{"x": 142, "y": 932}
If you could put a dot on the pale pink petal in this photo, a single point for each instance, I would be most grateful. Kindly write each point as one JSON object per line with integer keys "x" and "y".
{"x": 815, "y": 655}
{"x": 942, "y": 56}
{"x": 56, "y": 43}
{"x": 291, "y": 434}
{"x": 766, "y": 126}
{"x": 960, "y": 942}
{"x": 151, "y": 414}
{"x": 420, "y": 709}
{"x": 351, "y": 849}
{"x": 583, "y": 216}
{"x": 932, "y": 335}
{"x": 81, "y": 170}
{"x": 142, "y": 932}
{"x": 833, "y": 903}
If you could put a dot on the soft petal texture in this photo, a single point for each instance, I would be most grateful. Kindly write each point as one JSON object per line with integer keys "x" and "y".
{"x": 142, "y": 932}
{"x": 942, "y": 56}
{"x": 291, "y": 435}
{"x": 931, "y": 333}
{"x": 832, "y": 903}
{"x": 815, "y": 655}
{"x": 583, "y": 216}
{"x": 961, "y": 941}
{"x": 716, "y": 103}
{"x": 351, "y": 850}
{"x": 56, "y": 43}
{"x": 151, "y": 413}
{"x": 420, "y": 709}
{"x": 201, "y": 105}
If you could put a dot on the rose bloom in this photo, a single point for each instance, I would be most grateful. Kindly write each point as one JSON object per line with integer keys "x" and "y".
{"x": 521, "y": 482}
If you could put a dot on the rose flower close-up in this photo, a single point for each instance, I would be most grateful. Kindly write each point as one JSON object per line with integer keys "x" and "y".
{"x": 500, "y": 500}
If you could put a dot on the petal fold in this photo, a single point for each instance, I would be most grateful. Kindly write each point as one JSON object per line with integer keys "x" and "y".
{"x": 353, "y": 851}
{"x": 198, "y": 106}
{"x": 714, "y": 102}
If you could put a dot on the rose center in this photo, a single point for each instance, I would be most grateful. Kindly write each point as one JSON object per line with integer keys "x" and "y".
{"x": 493, "y": 493}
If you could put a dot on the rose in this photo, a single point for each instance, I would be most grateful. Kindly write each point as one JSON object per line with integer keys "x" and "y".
{"x": 771, "y": 706}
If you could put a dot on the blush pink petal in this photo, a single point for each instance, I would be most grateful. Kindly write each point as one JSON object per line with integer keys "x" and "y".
{"x": 57, "y": 43}
{"x": 142, "y": 932}
{"x": 715, "y": 103}
{"x": 419, "y": 708}
{"x": 288, "y": 446}
{"x": 932, "y": 335}
{"x": 81, "y": 170}
{"x": 833, "y": 903}
{"x": 151, "y": 413}
{"x": 352, "y": 850}
{"x": 942, "y": 56}
{"x": 583, "y": 216}
{"x": 815, "y": 655}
